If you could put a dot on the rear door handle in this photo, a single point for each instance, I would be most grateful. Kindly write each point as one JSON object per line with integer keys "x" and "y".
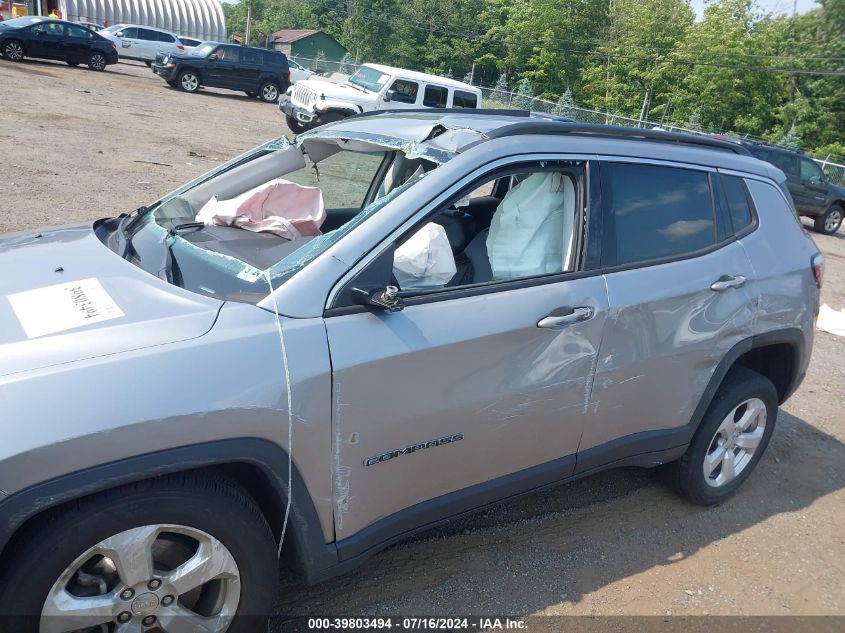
{"x": 726, "y": 282}
{"x": 562, "y": 317}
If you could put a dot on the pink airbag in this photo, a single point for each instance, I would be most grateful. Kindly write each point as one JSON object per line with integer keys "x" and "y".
{"x": 279, "y": 206}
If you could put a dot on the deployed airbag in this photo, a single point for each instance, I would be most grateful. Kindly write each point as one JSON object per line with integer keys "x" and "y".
{"x": 531, "y": 230}
{"x": 425, "y": 260}
{"x": 281, "y": 207}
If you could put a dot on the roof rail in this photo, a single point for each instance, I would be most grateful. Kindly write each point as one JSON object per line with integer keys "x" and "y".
{"x": 592, "y": 129}
{"x": 441, "y": 111}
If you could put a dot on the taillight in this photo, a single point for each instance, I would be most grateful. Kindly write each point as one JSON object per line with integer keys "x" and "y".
{"x": 818, "y": 268}
{"x": 180, "y": 48}
{"x": 114, "y": 45}
{"x": 288, "y": 75}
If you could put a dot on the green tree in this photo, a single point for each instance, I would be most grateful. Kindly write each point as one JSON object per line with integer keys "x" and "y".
{"x": 524, "y": 97}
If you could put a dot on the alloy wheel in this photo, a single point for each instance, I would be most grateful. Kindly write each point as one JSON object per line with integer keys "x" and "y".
{"x": 735, "y": 442}
{"x": 833, "y": 220}
{"x": 167, "y": 578}
{"x": 189, "y": 82}
{"x": 13, "y": 51}
{"x": 97, "y": 61}
{"x": 270, "y": 93}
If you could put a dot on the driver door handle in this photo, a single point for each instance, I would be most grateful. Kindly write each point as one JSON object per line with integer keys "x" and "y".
{"x": 565, "y": 316}
{"x": 726, "y": 282}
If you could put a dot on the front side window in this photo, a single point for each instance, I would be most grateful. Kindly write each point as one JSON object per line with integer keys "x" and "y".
{"x": 49, "y": 28}
{"x": 659, "y": 211}
{"x": 203, "y": 51}
{"x": 128, "y": 33}
{"x": 405, "y": 91}
{"x": 464, "y": 99}
{"x": 228, "y": 53}
{"x": 811, "y": 171}
{"x": 527, "y": 230}
{"x": 738, "y": 205}
{"x": 435, "y": 97}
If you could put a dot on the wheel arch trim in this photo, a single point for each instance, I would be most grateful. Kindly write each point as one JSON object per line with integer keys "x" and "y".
{"x": 307, "y": 552}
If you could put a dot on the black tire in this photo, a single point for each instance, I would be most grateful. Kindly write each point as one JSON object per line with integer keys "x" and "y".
{"x": 97, "y": 61}
{"x": 148, "y": 64}
{"x": 186, "y": 83}
{"x": 331, "y": 117}
{"x": 269, "y": 92}
{"x": 830, "y": 221}
{"x": 295, "y": 126}
{"x": 686, "y": 475}
{"x": 215, "y": 505}
{"x": 71, "y": 64}
{"x": 13, "y": 50}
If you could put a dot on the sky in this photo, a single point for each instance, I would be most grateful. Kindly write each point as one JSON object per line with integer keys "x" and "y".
{"x": 773, "y": 6}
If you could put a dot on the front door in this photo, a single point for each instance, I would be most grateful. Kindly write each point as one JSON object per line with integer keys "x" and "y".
{"x": 813, "y": 188}
{"x": 476, "y": 390}
{"x": 49, "y": 40}
{"x": 679, "y": 297}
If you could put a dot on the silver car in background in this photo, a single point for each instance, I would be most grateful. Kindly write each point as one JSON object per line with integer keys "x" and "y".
{"x": 494, "y": 303}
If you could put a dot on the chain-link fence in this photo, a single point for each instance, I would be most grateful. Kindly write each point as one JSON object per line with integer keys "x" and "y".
{"x": 494, "y": 98}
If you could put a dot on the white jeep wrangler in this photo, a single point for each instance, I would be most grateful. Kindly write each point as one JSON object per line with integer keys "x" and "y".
{"x": 312, "y": 102}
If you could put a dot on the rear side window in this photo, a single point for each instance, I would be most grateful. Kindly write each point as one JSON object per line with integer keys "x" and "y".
{"x": 75, "y": 31}
{"x": 464, "y": 100}
{"x": 659, "y": 211}
{"x": 251, "y": 57}
{"x": 738, "y": 202}
{"x": 435, "y": 97}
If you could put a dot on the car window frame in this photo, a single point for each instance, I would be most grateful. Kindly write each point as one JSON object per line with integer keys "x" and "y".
{"x": 454, "y": 93}
{"x": 418, "y": 84}
{"x": 722, "y": 198}
{"x": 806, "y": 159}
{"x": 588, "y": 237}
{"x": 437, "y": 87}
{"x": 608, "y": 250}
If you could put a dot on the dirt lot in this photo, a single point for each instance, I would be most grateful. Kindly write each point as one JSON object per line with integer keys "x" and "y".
{"x": 77, "y": 145}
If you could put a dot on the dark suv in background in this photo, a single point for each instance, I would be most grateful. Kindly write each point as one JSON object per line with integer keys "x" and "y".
{"x": 814, "y": 195}
{"x": 258, "y": 72}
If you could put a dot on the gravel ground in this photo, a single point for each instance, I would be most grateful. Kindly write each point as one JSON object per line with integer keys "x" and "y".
{"x": 77, "y": 145}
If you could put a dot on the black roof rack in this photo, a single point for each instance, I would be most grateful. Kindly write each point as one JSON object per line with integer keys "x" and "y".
{"x": 542, "y": 123}
{"x": 441, "y": 111}
{"x": 616, "y": 131}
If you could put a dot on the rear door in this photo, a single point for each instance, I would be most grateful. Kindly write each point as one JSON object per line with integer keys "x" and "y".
{"x": 473, "y": 391}
{"x": 246, "y": 75}
{"x": 77, "y": 45}
{"x": 678, "y": 289}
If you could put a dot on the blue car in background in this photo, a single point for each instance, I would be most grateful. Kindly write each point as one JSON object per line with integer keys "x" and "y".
{"x": 43, "y": 38}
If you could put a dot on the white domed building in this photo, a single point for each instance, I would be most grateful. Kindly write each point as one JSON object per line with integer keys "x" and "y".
{"x": 200, "y": 19}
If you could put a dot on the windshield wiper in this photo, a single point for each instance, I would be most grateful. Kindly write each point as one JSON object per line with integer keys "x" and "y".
{"x": 357, "y": 87}
{"x": 169, "y": 268}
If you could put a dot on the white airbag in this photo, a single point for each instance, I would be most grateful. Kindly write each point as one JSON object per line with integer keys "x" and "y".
{"x": 531, "y": 231}
{"x": 425, "y": 260}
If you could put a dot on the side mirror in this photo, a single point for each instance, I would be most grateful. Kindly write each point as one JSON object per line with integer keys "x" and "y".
{"x": 390, "y": 95}
{"x": 381, "y": 298}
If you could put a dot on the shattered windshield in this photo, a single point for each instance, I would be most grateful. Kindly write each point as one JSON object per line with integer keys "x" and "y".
{"x": 261, "y": 217}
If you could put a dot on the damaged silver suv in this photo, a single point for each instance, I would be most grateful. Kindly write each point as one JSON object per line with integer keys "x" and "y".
{"x": 324, "y": 346}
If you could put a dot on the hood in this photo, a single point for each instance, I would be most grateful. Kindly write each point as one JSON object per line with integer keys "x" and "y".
{"x": 64, "y": 297}
{"x": 344, "y": 92}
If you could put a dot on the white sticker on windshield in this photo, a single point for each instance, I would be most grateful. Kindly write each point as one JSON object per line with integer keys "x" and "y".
{"x": 63, "y": 307}
{"x": 250, "y": 274}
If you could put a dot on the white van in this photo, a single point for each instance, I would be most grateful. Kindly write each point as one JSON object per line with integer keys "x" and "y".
{"x": 142, "y": 43}
{"x": 313, "y": 102}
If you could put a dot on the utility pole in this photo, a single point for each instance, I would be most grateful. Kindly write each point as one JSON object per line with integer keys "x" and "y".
{"x": 248, "y": 22}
